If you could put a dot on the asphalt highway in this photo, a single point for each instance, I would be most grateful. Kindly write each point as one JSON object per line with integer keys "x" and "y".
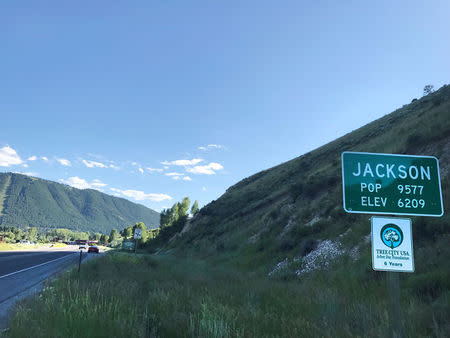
{"x": 22, "y": 273}
{"x": 12, "y": 261}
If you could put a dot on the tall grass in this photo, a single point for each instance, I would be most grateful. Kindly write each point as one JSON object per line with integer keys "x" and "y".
{"x": 121, "y": 295}
{"x": 17, "y": 246}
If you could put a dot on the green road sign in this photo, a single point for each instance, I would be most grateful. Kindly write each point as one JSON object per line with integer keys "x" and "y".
{"x": 391, "y": 184}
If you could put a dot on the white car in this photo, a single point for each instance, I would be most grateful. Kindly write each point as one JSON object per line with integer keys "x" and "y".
{"x": 82, "y": 247}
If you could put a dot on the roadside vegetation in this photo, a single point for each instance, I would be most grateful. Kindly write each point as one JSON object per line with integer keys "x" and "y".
{"x": 17, "y": 246}
{"x": 123, "y": 295}
{"x": 172, "y": 222}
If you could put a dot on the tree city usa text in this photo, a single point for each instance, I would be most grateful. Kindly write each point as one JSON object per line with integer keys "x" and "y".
{"x": 393, "y": 254}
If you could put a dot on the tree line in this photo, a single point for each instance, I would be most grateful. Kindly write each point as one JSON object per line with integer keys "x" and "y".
{"x": 12, "y": 234}
{"x": 172, "y": 221}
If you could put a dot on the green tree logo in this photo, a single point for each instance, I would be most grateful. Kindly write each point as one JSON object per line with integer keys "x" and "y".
{"x": 391, "y": 235}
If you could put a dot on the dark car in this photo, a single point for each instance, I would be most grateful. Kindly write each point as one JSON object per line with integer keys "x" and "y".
{"x": 93, "y": 248}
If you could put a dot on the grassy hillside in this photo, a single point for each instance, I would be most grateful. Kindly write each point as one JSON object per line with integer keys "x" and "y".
{"x": 286, "y": 212}
{"x": 29, "y": 201}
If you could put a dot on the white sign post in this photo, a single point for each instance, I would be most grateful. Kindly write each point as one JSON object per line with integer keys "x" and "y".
{"x": 392, "y": 247}
{"x": 137, "y": 235}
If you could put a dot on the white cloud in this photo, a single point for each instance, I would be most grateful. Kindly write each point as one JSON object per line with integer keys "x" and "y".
{"x": 64, "y": 162}
{"x": 81, "y": 183}
{"x": 112, "y": 166}
{"x": 154, "y": 170}
{"x": 98, "y": 184}
{"x": 173, "y": 174}
{"x": 43, "y": 158}
{"x": 9, "y": 157}
{"x": 32, "y": 158}
{"x": 194, "y": 161}
{"x": 34, "y": 174}
{"x": 92, "y": 164}
{"x": 142, "y": 196}
{"x": 141, "y": 170}
{"x": 209, "y": 169}
{"x": 211, "y": 146}
{"x": 215, "y": 166}
{"x": 134, "y": 163}
{"x": 76, "y": 182}
{"x": 166, "y": 167}
{"x": 203, "y": 189}
{"x": 25, "y": 165}
{"x": 187, "y": 178}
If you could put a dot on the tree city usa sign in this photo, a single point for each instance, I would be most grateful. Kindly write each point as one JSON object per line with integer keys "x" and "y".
{"x": 391, "y": 184}
{"x": 392, "y": 248}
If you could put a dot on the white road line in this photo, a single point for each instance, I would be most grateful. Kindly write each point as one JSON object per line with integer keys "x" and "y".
{"x": 34, "y": 266}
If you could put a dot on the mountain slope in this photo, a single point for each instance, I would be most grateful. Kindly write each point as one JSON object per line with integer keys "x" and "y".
{"x": 29, "y": 201}
{"x": 293, "y": 208}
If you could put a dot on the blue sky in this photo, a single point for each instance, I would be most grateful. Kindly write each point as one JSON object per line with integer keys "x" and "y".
{"x": 157, "y": 100}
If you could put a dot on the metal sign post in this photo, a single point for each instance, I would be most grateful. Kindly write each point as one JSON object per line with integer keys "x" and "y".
{"x": 395, "y": 315}
{"x": 79, "y": 262}
{"x": 392, "y": 251}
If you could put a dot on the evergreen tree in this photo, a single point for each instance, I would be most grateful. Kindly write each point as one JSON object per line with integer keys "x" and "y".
{"x": 183, "y": 207}
{"x": 128, "y": 232}
{"x": 32, "y": 234}
{"x": 175, "y": 213}
{"x": 164, "y": 218}
{"x": 195, "y": 209}
{"x": 428, "y": 89}
{"x": 113, "y": 235}
{"x": 104, "y": 239}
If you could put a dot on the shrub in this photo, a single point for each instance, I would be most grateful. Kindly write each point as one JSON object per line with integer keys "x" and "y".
{"x": 296, "y": 190}
{"x": 415, "y": 140}
{"x": 274, "y": 213}
{"x": 307, "y": 246}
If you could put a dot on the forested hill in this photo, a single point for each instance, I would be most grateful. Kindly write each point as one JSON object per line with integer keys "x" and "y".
{"x": 32, "y": 202}
{"x": 296, "y": 207}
